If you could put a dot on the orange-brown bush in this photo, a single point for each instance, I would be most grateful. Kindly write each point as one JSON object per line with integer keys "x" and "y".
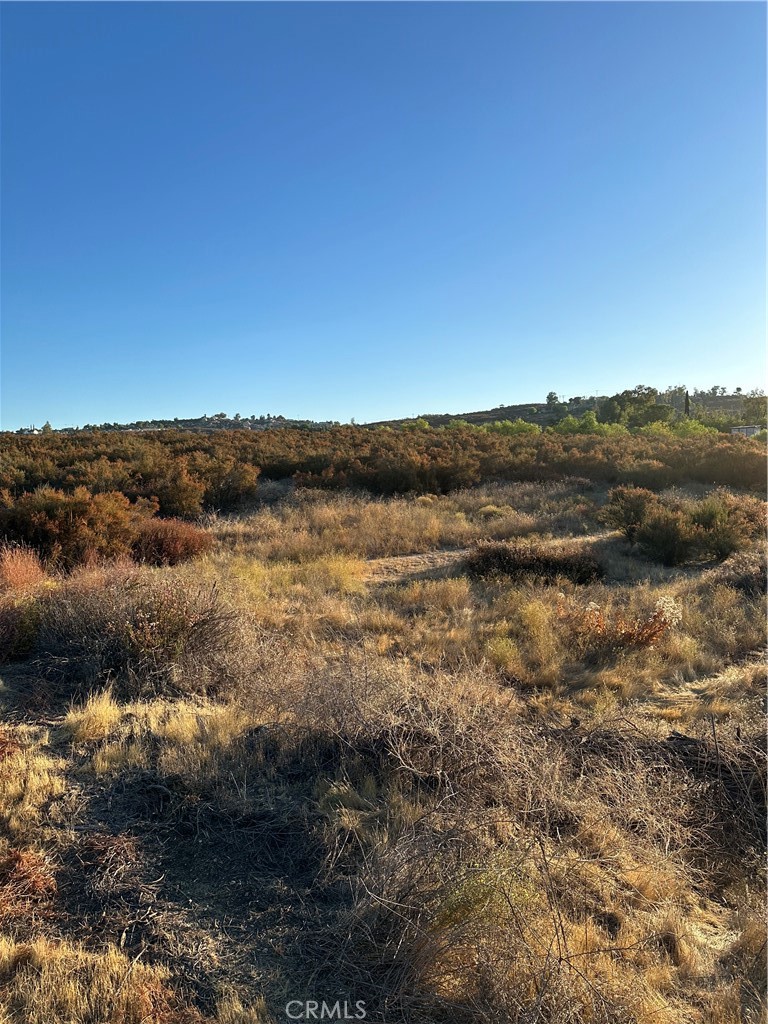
{"x": 82, "y": 528}
{"x": 169, "y": 541}
{"x": 27, "y": 883}
{"x": 21, "y": 575}
{"x": 20, "y": 568}
{"x": 69, "y": 529}
{"x": 597, "y": 636}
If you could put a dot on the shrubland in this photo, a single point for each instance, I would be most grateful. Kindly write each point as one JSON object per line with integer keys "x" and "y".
{"x": 474, "y": 753}
{"x": 80, "y": 498}
{"x": 189, "y": 472}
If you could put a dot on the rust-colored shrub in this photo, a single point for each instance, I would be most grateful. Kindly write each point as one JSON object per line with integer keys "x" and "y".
{"x": 27, "y": 884}
{"x": 9, "y": 745}
{"x": 599, "y": 636}
{"x": 169, "y": 541}
{"x": 185, "y": 470}
{"x": 20, "y": 568}
{"x": 73, "y": 529}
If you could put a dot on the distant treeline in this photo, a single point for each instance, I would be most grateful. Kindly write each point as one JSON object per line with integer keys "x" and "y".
{"x": 635, "y": 407}
{"x": 188, "y": 472}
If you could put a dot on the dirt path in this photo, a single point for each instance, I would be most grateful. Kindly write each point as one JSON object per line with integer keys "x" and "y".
{"x": 689, "y": 696}
{"x": 400, "y": 568}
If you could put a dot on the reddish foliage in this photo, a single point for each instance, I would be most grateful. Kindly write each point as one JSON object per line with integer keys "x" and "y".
{"x": 20, "y": 568}
{"x": 184, "y": 470}
{"x": 8, "y": 746}
{"x": 27, "y": 883}
{"x": 169, "y": 541}
{"x": 68, "y": 529}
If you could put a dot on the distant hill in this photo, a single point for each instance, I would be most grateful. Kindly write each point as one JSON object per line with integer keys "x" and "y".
{"x": 533, "y": 412}
{"x": 544, "y": 414}
{"x": 197, "y": 424}
{"x": 712, "y": 403}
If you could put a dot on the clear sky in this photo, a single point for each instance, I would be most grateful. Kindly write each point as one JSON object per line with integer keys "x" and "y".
{"x": 376, "y": 210}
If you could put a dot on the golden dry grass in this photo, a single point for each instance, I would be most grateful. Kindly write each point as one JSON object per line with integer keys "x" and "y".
{"x": 44, "y": 981}
{"x": 457, "y": 799}
{"x": 313, "y": 524}
{"x": 30, "y": 777}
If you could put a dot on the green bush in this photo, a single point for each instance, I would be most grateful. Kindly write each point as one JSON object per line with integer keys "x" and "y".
{"x": 675, "y": 532}
{"x": 626, "y": 509}
{"x": 748, "y": 512}
{"x": 178, "y": 493}
{"x": 721, "y": 532}
{"x": 668, "y": 535}
{"x": 512, "y": 428}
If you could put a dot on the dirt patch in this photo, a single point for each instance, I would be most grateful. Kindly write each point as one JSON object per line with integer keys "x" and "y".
{"x": 403, "y": 568}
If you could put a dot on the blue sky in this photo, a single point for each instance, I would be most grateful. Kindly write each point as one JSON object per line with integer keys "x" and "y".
{"x": 376, "y": 210}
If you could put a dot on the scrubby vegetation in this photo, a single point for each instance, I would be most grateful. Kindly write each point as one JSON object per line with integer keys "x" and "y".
{"x": 186, "y": 473}
{"x": 518, "y": 561}
{"x": 168, "y": 542}
{"x": 675, "y": 529}
{"x": 136, "y": 633}
{"x": 80, "y": 528}
{"x": 493, "y": 750}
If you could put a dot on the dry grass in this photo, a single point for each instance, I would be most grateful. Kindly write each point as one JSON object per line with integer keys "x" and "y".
{"x": 95, "y": 720}
{"x": 22, "y": 578}
{"x": 139, "y": 630}
{"x": 20, "y": 569}
{"x": 311, "y": 524}
{"x": 456, "y": 799}
{"x": 555, "y": 900}
{"x": 44, "y": 981}
{"x": 30, "y": 777}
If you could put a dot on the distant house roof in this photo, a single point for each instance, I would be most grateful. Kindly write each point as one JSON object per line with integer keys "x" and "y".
{"x": 748, "y": 430}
